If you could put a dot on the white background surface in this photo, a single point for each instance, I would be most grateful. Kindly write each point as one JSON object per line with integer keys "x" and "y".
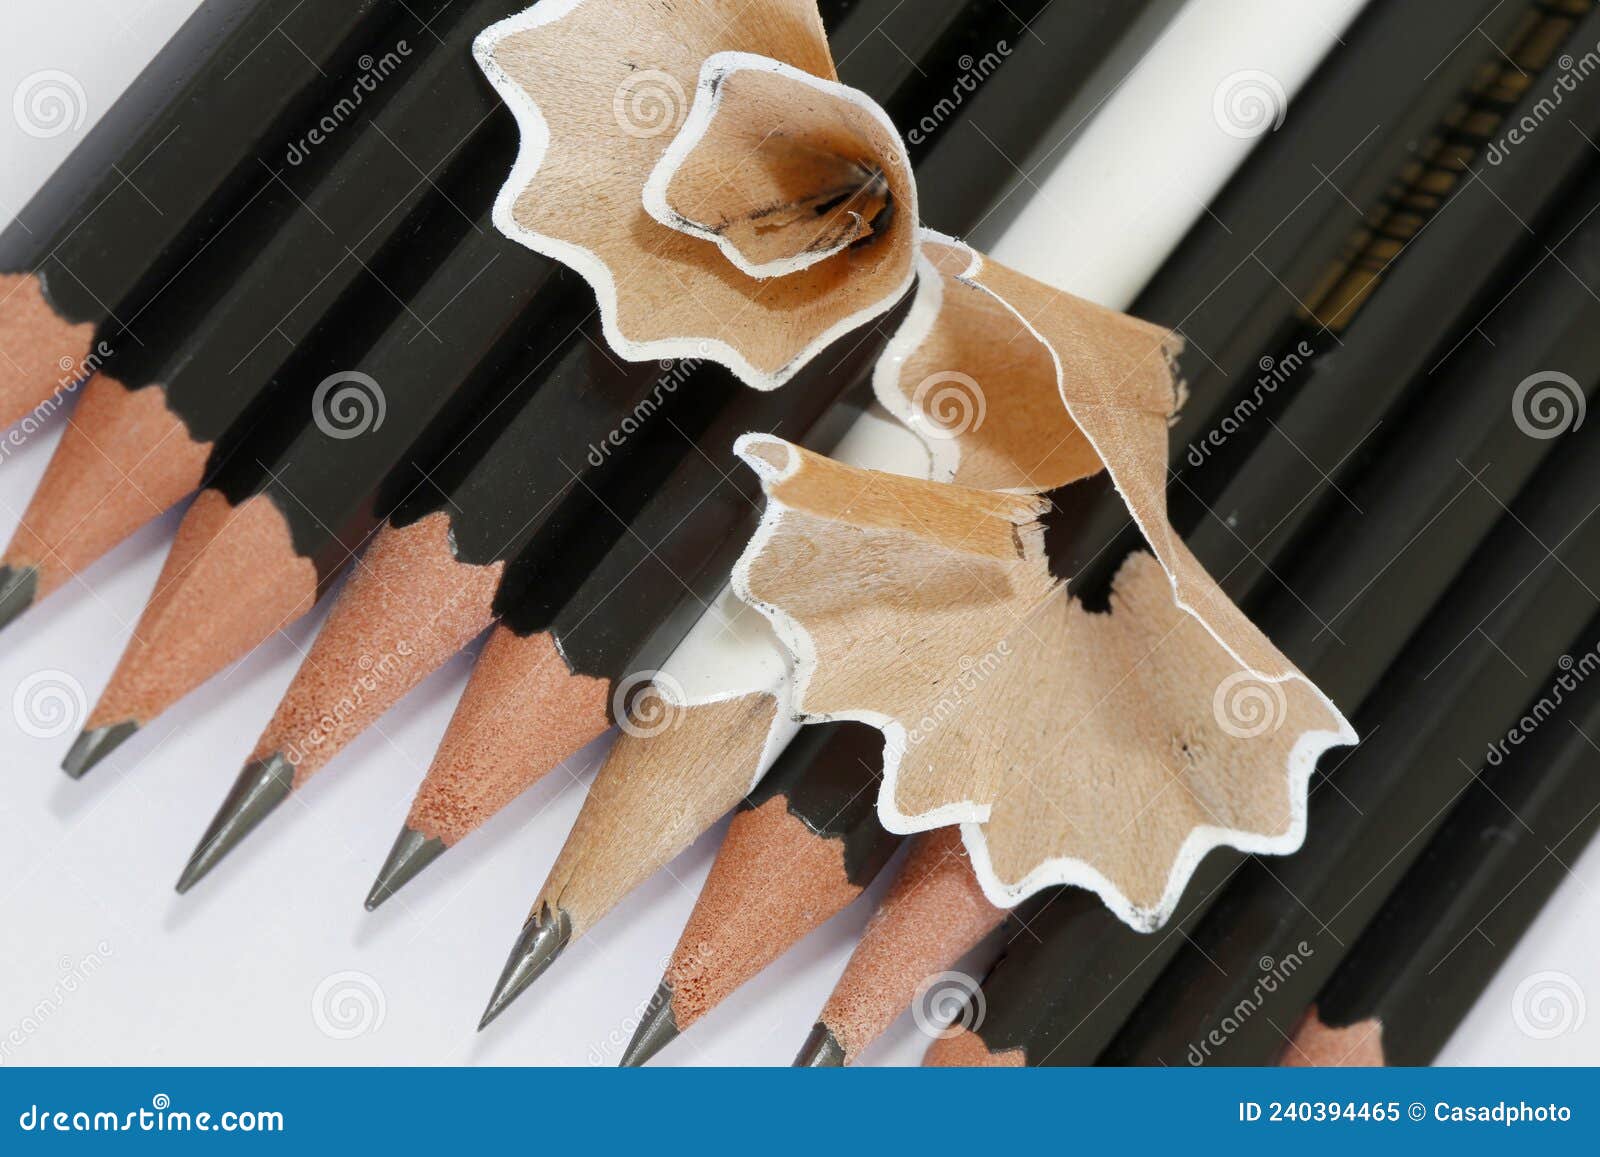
{"x": 250, "y": 968}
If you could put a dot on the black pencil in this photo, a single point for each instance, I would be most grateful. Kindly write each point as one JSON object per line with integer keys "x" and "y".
{"x": 285, "y": 514}
{"x": 1344, "y": 608}
{"x": 164, "y": 413}
{"x": 1278, "y": 239}
{"x": 1450, "y": 924}
{"x": 161, "y": 175}
{"x": 1422, "y": 266}
{"x": 603, "y": 609}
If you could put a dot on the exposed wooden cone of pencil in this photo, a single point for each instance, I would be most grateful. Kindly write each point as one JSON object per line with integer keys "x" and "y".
{"x": 933, "y": 914}
{"x": 961, "y": 1048}
{"x": 657, "y": 792}
{"x": 41, "y": 355}
{"x": 1315, "y": 1044}
{"x": 231, "y": 578}
{"x": 775, "y": 880}
{"x": 409, "y": 606}
{"x": 122, "y": 460}
{"x": 522, "y": 713}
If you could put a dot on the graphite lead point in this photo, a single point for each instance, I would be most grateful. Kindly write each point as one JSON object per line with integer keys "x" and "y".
{"x": 822, "y": 1050}
{"x": 261, "y": 787}
{"x": 658, "y": 1028}
{"x": 18, "y": 588}
{"x": 411, "y": 853}
{"x": 541, "y": 941}
{"x": 94, "y": 745}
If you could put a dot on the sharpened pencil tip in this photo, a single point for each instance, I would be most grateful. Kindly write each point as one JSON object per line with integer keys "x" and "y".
{"x": 18, "y": 587}
{"x": 822, "y": 1050}
{"x": 542, "y": 940}
{"x": 94, "y": 745}
{"x": 658, "y": 1027}
{"x": 261, "y": 787}
{"x": 411, "y": 853}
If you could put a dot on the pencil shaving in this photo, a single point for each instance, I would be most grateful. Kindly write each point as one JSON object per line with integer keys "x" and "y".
{"x": 928, "y": 610}
{"x": 702, "y": 169}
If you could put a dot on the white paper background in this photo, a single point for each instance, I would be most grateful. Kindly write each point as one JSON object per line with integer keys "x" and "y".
{"x": 247, "y": 969}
